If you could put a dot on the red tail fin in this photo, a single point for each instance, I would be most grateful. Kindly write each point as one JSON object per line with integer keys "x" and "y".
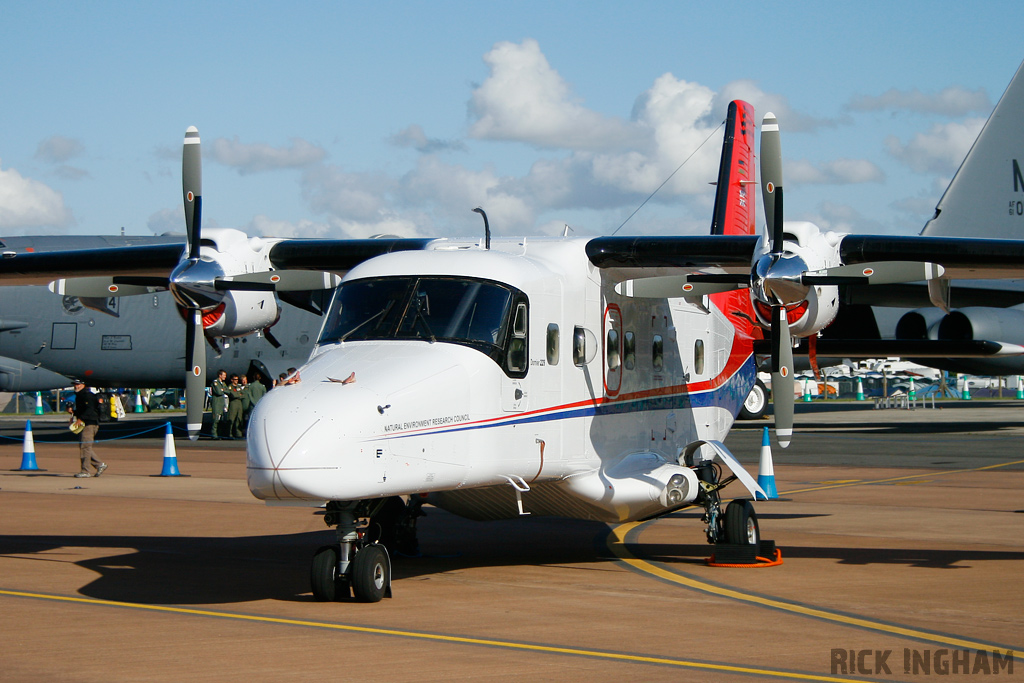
{"x": 734, "y": 200}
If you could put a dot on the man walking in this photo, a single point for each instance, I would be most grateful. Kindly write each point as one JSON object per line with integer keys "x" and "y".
{"x": 87, "y": 411}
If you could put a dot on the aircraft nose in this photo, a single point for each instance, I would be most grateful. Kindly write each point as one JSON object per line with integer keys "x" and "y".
{"x": 302, "y": 436}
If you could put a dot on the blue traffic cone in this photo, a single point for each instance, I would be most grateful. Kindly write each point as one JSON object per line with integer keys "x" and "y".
{"x": 28, "y": 451}
{"x": 170, "y": 456}
{"x": 766, "y": 470}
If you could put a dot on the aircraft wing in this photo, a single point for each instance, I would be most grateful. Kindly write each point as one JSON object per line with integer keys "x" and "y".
{"x": 699, "y": 251}
{"x": 40, "y": 268}
{"x": 337, "y": 256}
{"x": 903, "y": 348}
{"x": 961, "y": 257}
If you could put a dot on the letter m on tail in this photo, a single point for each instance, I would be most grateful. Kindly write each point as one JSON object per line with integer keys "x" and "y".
{"x": 1018, "y": 179}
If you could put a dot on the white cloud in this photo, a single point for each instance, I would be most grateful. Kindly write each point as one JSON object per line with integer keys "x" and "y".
{"x": 29, "y": 204}
{"x": 838, "y": 172}
{"x": 332, "y": 228}
{"x": 844, "y": 218}
{"x": 258, "y": 157}
{"x": 594, "y": 162}
{"x": 790, "y": 120}
{"x": 167, "y": 221}
{"x": 952, "y": 101}
{"x": 525, "y": 100}
{"x": 413, "y": 136}
{"x": 940, "y": 150}
{"x": 58, "y": 149}
{"x": 351, "y": 196}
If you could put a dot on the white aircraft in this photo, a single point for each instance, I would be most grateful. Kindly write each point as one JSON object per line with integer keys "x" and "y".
{"x": 588, "y": 378}
{"x": 591, "y": 378}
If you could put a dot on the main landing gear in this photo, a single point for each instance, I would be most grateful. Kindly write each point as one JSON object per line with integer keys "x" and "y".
{"x": 738, "y": 526}
{"x": 359, "y": 565}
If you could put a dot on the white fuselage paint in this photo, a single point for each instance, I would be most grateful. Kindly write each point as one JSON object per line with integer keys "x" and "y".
{"x": 447, "y": 421}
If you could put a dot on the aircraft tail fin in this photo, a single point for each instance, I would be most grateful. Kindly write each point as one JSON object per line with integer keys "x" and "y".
{"x": 734, "y": 201}
{"x": 986, "y": 196}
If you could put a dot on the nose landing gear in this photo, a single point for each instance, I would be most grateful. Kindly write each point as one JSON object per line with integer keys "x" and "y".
{"x": 359, "y": 565}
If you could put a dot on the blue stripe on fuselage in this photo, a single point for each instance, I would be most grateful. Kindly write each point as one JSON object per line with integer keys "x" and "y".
{"x": 729, "y": 396}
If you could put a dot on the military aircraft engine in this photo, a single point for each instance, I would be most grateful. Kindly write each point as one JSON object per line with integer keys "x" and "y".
{"x": 977, "y": 322}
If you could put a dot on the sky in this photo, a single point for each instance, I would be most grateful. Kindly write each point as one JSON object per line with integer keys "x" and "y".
{"x": 349, "y": 119}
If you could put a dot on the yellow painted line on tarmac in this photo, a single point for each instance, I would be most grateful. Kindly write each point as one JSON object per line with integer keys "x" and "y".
{"x": 460, "y": 640}
{"x": 863, "y": 482}
{"x": 617, "y": 544}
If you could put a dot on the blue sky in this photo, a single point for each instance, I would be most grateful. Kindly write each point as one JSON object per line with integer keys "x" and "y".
{"x": 344, "y": 119}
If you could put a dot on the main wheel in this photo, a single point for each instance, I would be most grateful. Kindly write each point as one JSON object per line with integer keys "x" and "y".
{"x": 741, "y": 524}
{"x": 323, "y": 575}
{"x": 371, "y": 574}
{"x": 755, "y": 403}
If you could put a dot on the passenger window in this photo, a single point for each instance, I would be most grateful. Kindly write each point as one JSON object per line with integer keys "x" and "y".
{"x": 612, "y": 345}
{"x": 698, "y": 356}
{"x": 552, "y": 344}
{"x": 629, "y": 350}
{"x": 658, "y": 352}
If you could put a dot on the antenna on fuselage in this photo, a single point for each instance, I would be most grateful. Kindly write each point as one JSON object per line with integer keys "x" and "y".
{"x": 487, "y": 228}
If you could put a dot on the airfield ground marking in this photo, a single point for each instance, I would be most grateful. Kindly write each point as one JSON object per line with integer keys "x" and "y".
{"x": 865, "y": 482}
{"x": 460, "y": 640}
{"x": 616, "y": 542}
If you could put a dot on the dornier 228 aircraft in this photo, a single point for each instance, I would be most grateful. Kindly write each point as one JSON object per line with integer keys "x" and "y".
{"x": 589, "y": 378}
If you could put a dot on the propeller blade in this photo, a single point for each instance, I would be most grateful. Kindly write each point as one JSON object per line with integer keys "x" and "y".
{"x": 228, "y": 284}
{"x": 284, "y": 280}
{"x": 782, "y": 376}
{"x": 881, "y": 273}
{"x": 771, "y": 179}
{"x": 195, "y": 375}
{"x": 192, "y": 190}
{"x": 101, "y": 287}
{"x": 681, "y": 285}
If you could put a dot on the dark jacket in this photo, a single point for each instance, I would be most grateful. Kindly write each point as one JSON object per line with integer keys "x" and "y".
{"x": 87, "y": 407}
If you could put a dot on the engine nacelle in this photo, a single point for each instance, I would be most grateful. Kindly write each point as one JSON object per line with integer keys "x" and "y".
{"x": 919, "y": 324}
{"x": 983, "y": 323}
{"x": 819, "y": 308}
{"x": 241, "y": 313}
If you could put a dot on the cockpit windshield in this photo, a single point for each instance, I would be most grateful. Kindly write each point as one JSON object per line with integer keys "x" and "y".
{"x": 459, "y": 310}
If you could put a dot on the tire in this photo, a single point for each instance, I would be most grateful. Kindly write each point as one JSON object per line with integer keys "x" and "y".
{"x": 371, "y": 574}
{"x": 741, "y": 526}
{"x": 755, "y": 403}
{"x": 323, "y": 574}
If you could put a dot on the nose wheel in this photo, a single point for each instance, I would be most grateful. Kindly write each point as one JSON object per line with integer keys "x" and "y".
{"x": 359, "y": 566}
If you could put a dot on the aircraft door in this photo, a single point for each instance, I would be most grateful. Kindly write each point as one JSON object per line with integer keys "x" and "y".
{"x": 612, "y": 350}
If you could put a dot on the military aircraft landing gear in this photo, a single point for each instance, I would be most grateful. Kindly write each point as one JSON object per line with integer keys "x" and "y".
{"x": 359, "y": 565}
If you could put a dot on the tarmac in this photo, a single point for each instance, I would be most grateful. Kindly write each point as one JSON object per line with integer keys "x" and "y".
{"x": 901, "y": 534}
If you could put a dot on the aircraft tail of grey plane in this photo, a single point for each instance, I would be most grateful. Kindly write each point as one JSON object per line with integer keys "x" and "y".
{"x": 986, "y": 196}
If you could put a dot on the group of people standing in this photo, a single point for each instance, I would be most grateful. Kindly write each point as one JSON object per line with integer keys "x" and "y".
{"x": 231, "y": 400}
